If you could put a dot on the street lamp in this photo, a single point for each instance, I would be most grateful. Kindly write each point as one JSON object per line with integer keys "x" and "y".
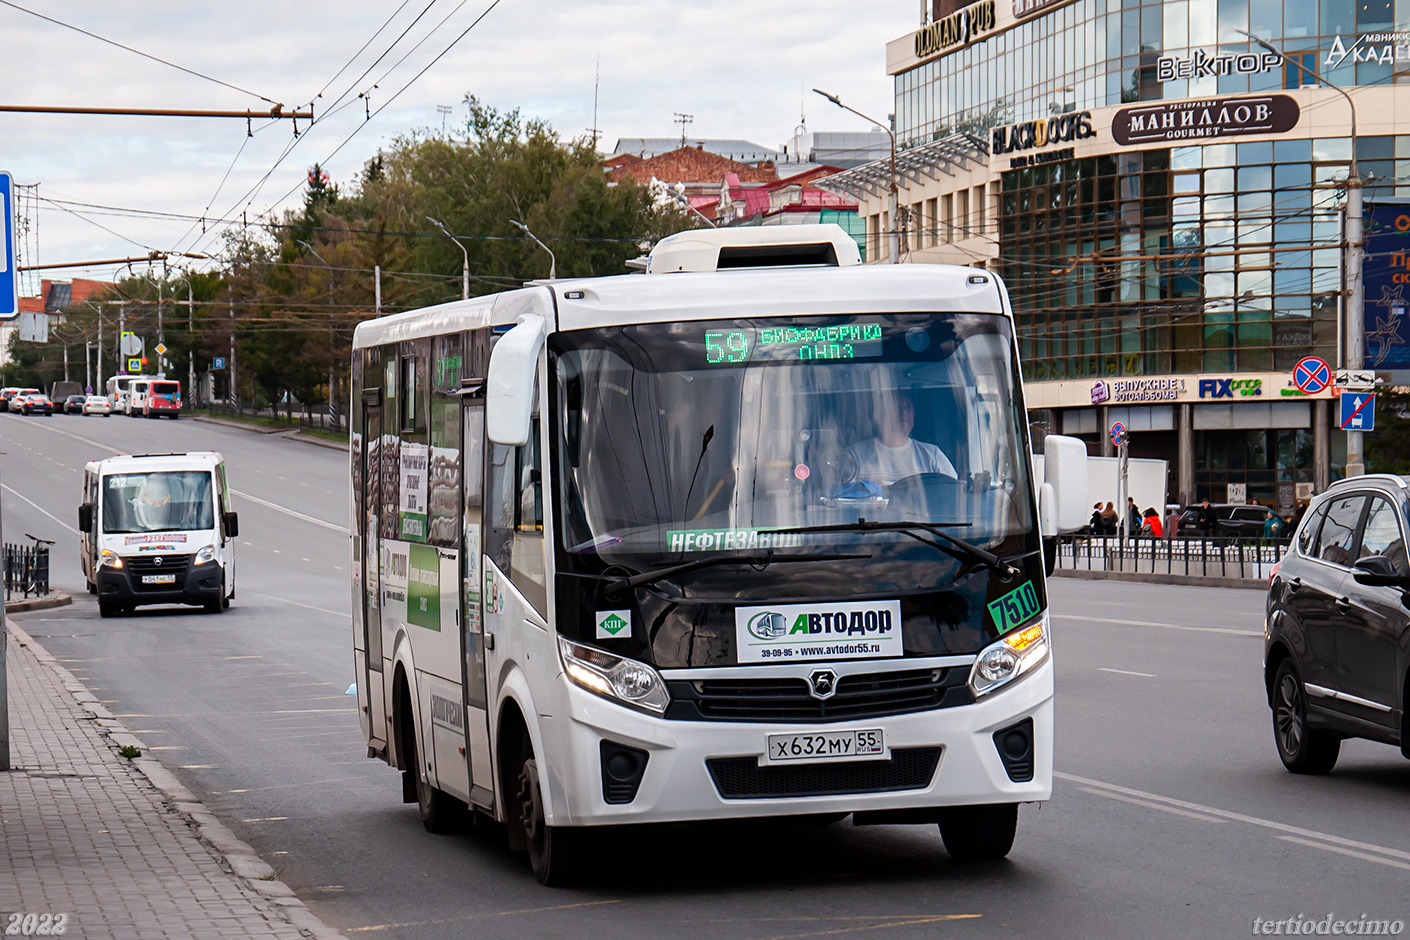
{"x": 465, "y": 269}
{"x": 893, "y": 237}
{"x": 552, "y": 261}
{"x": 1354, "y": 314}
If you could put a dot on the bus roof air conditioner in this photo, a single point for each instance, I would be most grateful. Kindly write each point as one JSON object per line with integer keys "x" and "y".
{"x": 758, "y": 246}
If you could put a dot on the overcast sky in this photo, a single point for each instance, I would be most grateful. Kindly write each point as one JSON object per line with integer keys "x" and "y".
{"x": 737, "y": 67}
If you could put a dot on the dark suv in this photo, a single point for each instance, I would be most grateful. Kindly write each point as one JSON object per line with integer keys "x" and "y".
{"x": 1337, "y": 635}
{"x": 1230, "y": 519}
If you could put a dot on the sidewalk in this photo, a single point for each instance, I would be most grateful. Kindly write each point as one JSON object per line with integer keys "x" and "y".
{"x": 117, "y": 846}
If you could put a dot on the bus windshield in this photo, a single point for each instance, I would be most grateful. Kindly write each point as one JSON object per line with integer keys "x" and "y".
{"x": 680, "y": 440}
{"x": 169, "y": 501}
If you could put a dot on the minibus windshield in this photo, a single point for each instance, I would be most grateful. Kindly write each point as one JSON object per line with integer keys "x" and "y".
{"x": 679, "y": 440}
{"x": 166, "y": 501}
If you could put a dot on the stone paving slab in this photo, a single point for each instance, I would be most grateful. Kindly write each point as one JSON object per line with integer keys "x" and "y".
{"x": 118, "y": 845}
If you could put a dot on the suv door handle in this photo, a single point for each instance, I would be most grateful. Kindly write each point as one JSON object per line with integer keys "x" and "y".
{"x": 1294, "y": 584}
{"x": 1344, "y": 603}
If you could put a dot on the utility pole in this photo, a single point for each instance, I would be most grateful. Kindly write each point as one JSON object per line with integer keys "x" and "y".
{"x": 191, "y": 337}
{"x": 4, "y": 681}
{"x": 377, "y": 287}
{"x": 1354, "y": 297}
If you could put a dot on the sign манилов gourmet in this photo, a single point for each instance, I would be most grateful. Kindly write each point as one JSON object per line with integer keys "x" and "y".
{"x": 1040, "y": 133}
{"x": 1207, "y": 117}
{"x": 956, "y": 30}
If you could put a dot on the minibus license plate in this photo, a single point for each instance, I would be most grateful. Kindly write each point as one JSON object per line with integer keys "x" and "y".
{"x": 159, "y": 579}
{"x": 828, "y": 745}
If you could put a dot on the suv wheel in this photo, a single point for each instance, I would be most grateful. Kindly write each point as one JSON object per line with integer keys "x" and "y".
{"x": 1303, "y": 750}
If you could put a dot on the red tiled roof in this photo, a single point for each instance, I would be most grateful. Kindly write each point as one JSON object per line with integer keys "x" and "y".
{"x": 692, "y": 165}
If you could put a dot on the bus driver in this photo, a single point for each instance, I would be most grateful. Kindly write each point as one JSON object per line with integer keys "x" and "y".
{"x": 893, "y": 454}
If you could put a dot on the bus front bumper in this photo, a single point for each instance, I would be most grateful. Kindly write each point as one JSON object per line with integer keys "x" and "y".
{"x": 691, "y": 764}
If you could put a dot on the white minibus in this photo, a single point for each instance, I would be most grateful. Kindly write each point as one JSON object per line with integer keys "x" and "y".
{"x": 752, "y": 534}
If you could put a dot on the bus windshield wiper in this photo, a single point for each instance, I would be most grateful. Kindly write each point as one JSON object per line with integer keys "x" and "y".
{"x": 956, "y": 548}
{"x": 758, "y": 562}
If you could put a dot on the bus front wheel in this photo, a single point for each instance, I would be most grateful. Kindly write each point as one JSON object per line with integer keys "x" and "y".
{"x": 554, "y": 851}
{"x": 979, "y": 833}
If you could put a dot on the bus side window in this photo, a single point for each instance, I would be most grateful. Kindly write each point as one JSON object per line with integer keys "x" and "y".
{"x": 516, "y": 517}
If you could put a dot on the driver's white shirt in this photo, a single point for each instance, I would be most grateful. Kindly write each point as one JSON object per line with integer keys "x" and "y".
{"x": 878, "y": 463}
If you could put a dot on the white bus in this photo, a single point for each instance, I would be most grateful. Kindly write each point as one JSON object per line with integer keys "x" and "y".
{"x": 119, "y": 391}
{"x": 708, "y": 544}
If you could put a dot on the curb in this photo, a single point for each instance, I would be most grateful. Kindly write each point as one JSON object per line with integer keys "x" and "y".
{"x": 239, "y": 424}
{"x": 316, "y": 441}
{"x": 52, "y": 599}
{"x": 242, "y": 860}
{"x": 1254, "y": 584}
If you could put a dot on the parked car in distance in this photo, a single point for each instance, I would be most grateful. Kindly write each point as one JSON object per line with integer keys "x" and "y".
{"x": 32, "y": 401}
{"x": 7, "y": 394}
{"x": 1337, "y": 633}
{"x": 97, "y": 405}
{"x": 1232, "y": 519}
{"x": 73, "y": 405}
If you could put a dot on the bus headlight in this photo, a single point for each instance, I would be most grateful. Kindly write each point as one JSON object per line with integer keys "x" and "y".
{"x": 205, "y": 555}
{"x": 1016, "y": 654}
{"x": 614, "y": 677}
{"x": 109, "y": 559}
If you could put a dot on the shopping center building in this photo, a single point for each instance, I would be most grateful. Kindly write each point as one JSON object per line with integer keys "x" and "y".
{"x": 1164, "y": 200}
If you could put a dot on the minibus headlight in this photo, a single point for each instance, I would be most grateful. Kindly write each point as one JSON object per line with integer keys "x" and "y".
{"x": 614, "y": 677}
{"x": 110, "y": 559}
{"x": 1004, "y": 661}
{"x": 205, "y": 555}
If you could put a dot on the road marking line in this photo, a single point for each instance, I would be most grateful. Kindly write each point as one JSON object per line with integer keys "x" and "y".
{"x": 1150, "y": 805}
{"x": 1366, "y": 856}
{"x": 289, "y": 512}
{"x": 1167, "y": 626}
{"x": 321, "y": 610}
{"x": 46, "y": 512}
{"x": 1238, "y": 817}
{"x": 1127, "y": 672}
{"x": 452, "y": 920}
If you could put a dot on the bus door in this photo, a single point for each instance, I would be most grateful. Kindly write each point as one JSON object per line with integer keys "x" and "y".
{"x": 477, "y": 727}
{"x": 371, "y": 682}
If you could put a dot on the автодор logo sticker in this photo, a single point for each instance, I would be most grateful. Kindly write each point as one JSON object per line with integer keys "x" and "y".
{"x": 808, "y": 632}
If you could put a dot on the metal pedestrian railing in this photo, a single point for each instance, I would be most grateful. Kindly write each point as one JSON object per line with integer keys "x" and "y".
{"x": 27, "y": 568}
{"x": 1201, "y": 557}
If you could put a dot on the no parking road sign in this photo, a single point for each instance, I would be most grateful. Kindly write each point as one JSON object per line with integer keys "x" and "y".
{"x": 1118, "y": 434}
{"x": 1312, "y": 375}
{"x": 1358, "y": 411}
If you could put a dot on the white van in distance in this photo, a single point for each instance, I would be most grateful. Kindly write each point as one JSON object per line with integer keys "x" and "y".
{"x": 158, "y": 529}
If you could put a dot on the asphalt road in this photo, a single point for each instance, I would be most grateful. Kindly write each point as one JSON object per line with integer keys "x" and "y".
{"x": 1171, "y": 815}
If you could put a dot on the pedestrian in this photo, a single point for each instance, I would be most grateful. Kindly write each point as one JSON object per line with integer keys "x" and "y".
{"x": 1273, "y": 525}
{"x": 1150, "y": 523}
{"x": 1109, "y": 519}
{"x": 1095, "y": 525}
{"x": 1205, "y": 518}
{"x": 1172, "y": 520}
{"x": 1133, "y": 516}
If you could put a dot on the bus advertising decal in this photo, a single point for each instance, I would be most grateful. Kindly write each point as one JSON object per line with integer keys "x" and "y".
{"x": 1015, "y": 607}
{"x": 829, "y": 630}
{"x": 613, "y": 624}
{"x": 723, "y": 540}
{"x": 423, "y": 589}
{"x": 414, "y": 466}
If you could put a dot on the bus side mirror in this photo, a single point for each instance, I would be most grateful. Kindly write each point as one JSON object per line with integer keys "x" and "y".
{"x": 509, "y": 387}
{"x": 85, "y": 517}
{"x": 232, "y": 524}
{"x": 1062, "y": 497}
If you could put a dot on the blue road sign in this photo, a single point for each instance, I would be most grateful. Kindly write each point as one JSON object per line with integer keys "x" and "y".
{"x": 9, "y": 277}
{"x": 1118, "y": 434}
{"x": 218, "y": 362}
{"x": 1312, "y": 375}
{"x": 1358, "y": 411}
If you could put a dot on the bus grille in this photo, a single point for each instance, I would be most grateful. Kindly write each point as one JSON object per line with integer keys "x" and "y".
{"x": 786, "y": 698}
{"x": 741, "y": 778}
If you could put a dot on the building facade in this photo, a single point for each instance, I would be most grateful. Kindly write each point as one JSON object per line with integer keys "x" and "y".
{"x": 1165, "y": 201}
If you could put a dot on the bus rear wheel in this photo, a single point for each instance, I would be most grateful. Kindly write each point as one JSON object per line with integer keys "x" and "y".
{"x": 979, "y": 833}
{"x": 555, "y": 852}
